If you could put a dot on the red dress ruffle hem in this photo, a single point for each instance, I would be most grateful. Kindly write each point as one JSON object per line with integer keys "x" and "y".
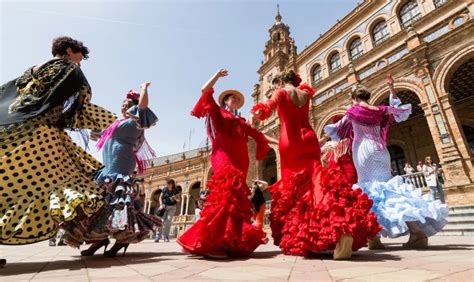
{"x": 312, "y": 209}
{"x": 224, "y": 226}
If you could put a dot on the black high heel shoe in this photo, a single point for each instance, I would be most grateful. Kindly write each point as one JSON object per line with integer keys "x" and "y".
{"x": 3, "y": 262}
{"x": 94, "y": 247}
{"x": 115, "y": 248}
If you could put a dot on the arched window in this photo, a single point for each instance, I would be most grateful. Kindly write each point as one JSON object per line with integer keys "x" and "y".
{"x": 335, "y": 62}
{"x": 439, "y": 3}
{"x": 316, "y": 74}
{"x": 380, "y": 33}
{"x": 409, "y": 13}
{"x": 355, "y": 48}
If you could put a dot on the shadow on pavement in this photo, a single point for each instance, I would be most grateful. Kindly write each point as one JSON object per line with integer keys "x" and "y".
{"x": 448, "y": 247}
{"x": 93, "y": 262}
{"x": 255, "y": 255}
{"x": 362, "y": 256}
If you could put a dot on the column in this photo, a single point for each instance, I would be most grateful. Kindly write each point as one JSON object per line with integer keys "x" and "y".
{"x": 187, "y": 205}
{"x": 148, "y": 207}
{"x": 182, "y": 205}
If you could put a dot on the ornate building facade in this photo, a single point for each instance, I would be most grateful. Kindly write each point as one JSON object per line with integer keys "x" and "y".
{"x": 428, "y": 47}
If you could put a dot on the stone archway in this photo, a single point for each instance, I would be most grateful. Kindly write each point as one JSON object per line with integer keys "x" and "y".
{"x": 155, "y": 201}
{"x": 193, "y": 196}
{"x": 269, "y": 171}
{"x": 454, "y": 90}
{"x": 397, "y": 159}
{"x": 269, "y": 164}
{"x": 453, "y": 81}
{"x": 328, "y": 120}
{"x": 460, "y": 87}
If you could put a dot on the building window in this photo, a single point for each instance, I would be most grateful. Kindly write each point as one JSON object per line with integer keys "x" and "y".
{"x": 409, "y": 13}
{"x": 335, "y": 62}
{"x": 355, "y": 48}
{"x": 458, "y": 21}
{"x": 380, "y": 33}
{"x": 316, "y": 75}
{"x": 439, "y": 3}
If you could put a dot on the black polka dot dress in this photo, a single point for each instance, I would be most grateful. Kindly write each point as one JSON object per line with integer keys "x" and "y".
{"x": 45, "y": 178}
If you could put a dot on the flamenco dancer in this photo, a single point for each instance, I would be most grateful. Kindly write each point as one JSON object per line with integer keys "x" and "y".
{"x": 399, "y": 208}
{"x": 314, "y": 209}
{"x": 224, "y": 228}
{"x": 46, "y": 179}
{"x": 124, "y": 147}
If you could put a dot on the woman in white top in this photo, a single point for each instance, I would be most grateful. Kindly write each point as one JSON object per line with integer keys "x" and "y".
{"x": 408, "y": 168}
{"x": 431, "y": 173}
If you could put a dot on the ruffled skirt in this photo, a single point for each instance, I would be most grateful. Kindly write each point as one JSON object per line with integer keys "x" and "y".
{"x": 312, "y": 209}
{"x": 45, "y": 182}
{"x": 225, "y": 223}
{"x": 396, "y": 203}
{"x": 121, "y": 218}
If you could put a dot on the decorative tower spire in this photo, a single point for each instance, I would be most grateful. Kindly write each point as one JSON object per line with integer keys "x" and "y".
{"x": 280, "y": 44}
{"x": 278, "y": 16}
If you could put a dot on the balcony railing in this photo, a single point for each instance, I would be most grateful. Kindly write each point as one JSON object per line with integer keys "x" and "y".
{"x": 416, "y": 179}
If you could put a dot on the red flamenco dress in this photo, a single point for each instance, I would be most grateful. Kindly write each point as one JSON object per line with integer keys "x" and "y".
{"x": 224, "y": 228}
{"x": 312, "y": 207}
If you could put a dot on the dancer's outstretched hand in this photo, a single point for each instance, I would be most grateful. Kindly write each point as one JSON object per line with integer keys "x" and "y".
{"x": 390, "y": 80}
{"x": 222, "y": 73}
{"x": 145, "y": 85}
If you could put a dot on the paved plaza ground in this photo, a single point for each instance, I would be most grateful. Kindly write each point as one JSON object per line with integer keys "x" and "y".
{"x": 449, "y": 258}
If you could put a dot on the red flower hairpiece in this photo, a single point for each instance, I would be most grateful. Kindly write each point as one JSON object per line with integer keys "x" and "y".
{"x": 298, "y": 80}
{"x": 132, "y": 94}
{"x": 337, "y": 118}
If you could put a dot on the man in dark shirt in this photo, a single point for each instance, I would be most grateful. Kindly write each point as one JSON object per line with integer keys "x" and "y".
{"x": 169, "y": 198}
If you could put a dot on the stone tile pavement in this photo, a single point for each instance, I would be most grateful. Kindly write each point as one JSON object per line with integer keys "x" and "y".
{"x": 449, "y": 258}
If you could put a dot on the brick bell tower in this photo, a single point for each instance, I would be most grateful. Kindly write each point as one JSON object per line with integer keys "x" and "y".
{"x": 279, "y": 56}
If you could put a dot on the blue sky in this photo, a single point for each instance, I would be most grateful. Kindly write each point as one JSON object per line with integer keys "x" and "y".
{"x": 177, "y": 45}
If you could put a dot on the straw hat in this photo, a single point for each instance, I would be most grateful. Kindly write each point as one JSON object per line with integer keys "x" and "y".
{"x": 240, "y": 97}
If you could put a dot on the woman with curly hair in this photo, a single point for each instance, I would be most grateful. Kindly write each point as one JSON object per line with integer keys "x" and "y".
{"x": 47, "y": 180}
{"x": 224, "y": 228}
{"x": 314, "y": 208}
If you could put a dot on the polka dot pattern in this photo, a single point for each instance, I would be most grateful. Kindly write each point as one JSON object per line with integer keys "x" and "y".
{"x": 45, "y": 177}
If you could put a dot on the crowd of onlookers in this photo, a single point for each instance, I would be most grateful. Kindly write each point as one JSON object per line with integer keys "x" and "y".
{"x": 433, "y": 176}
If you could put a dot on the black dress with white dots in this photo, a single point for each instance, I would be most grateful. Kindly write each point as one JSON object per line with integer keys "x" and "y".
{"x": 46, "y": 180}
